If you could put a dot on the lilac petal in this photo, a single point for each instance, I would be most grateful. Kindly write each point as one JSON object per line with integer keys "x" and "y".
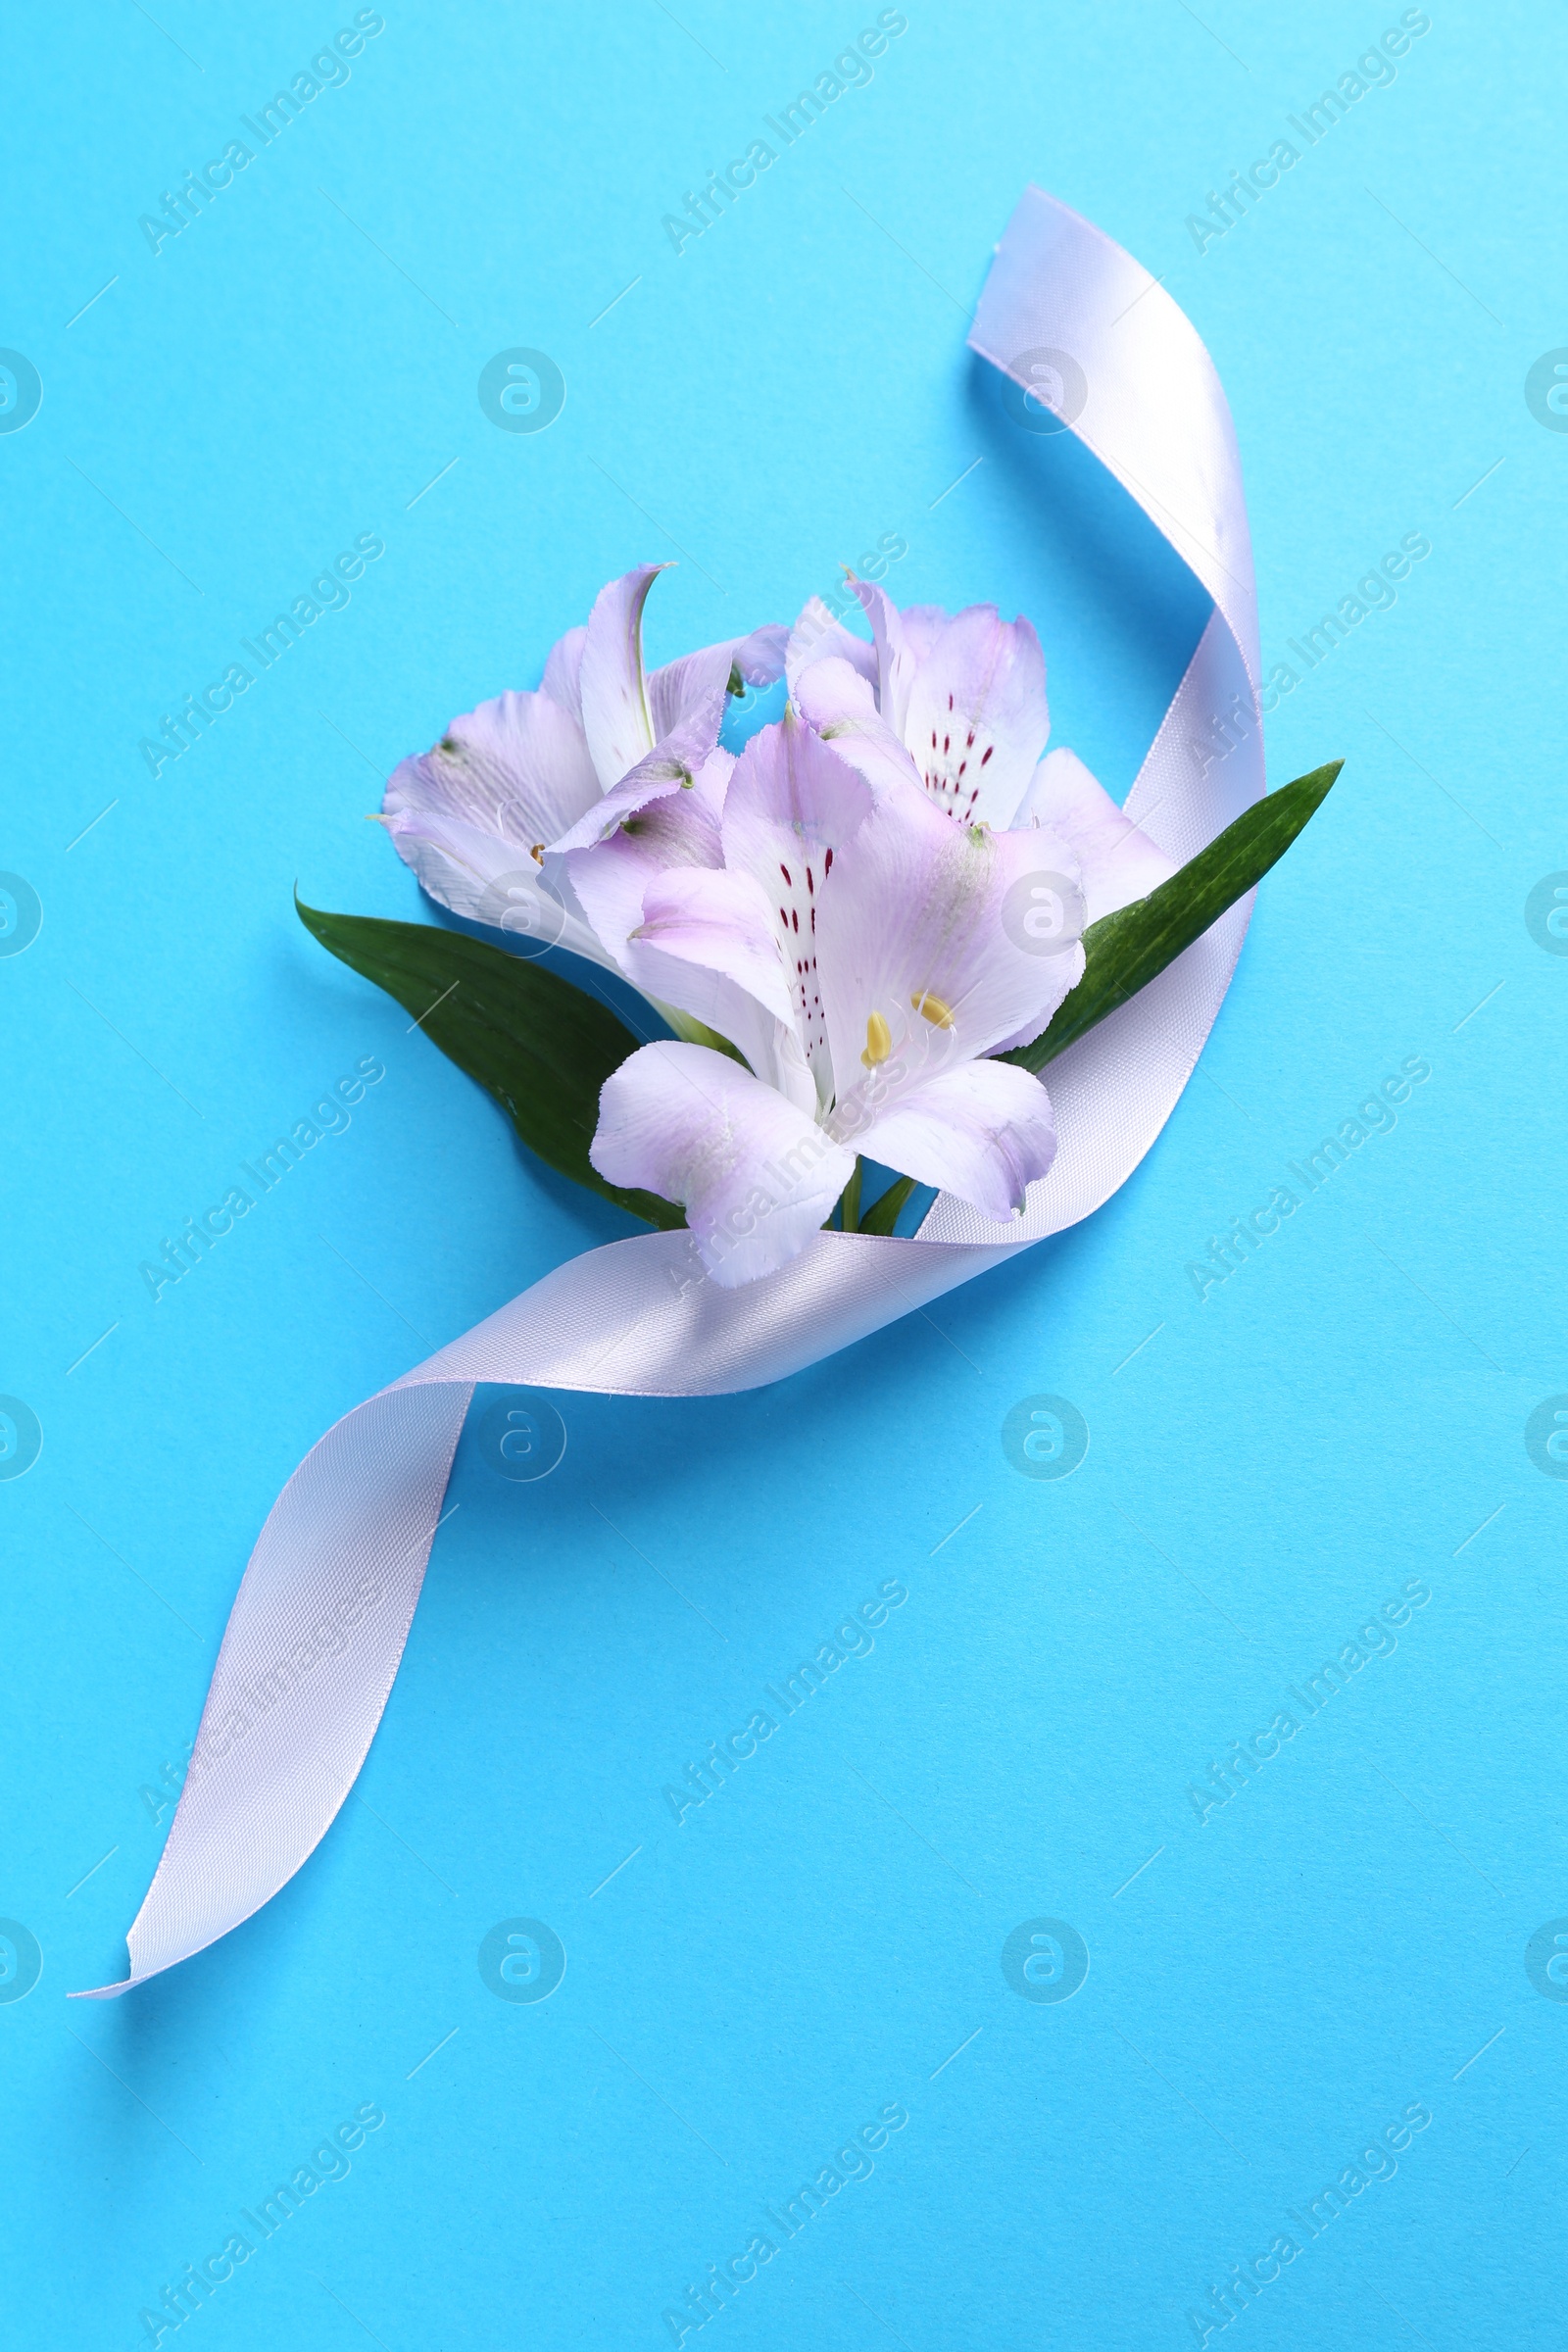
{"x": 984, "y": 1131}
{"x": 490, "y": 880}
{"x": 672, "y": 765}
{"x": 817, "y": 637}
{"x": 677, "y": 690}
{"x": 612, "y": 879}
{"x": 790, "y": 807}
{"x": 610, "y": 883}
{"x": 923, "y": 625}
{"x": 840, "y": 703}
{"x": 756, "y": 1176}
{"x": 934, "y": 929}
{"x": 977, "y": 720}
{"x": 706, "y": 947}
{"x": 517, "y": 767}
{"x": 722, "y": 922}
{"x": 616, "y": 717}
{"x": 760, "y": 657}
{"x": 674, "y": 690}
{"x": 897, "y": 660}
{"x": 700, "y": 1004}
{"x": 1119, "y": 863}
{"x": 563, "y": 678}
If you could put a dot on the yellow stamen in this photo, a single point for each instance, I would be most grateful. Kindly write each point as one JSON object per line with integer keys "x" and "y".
{"x": 939, "y": 1016}
{"x": 878, "y": 1042}
{"x": 537, "y": 853}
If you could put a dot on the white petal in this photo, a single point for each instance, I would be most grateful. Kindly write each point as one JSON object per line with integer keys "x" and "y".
{"x": 492, "y": 881}
{"x": 676, "y": 691}
{"x": 942, "y": 931}
{"x": 723, "y": 922}
{"x": 923, "y": 625}
{"x": 611, "y": 882}
{"x": 897, "y": 660}
{"x": 718, "y": 1006}
{"x": 680, "y": 687}
{"x": 760, "y": 657}
{"x": 977, "y": 720}
{"x": 517, "y": 767}
{"x": 616, "y": 717}
{"x": 712, "y": 782}
{"x": 790, "y": 807}
{"x": 672, "y": 765}
{"x": 706, "y": 946}
{"x": 817, "y": 637}
{"x": 610, "y": 879}
{"x": 1119, "y": 863}
{"x": 563, "y": 678}
{"x": 840, "y": 703}
{"x": 984, "y": 1131}
{"x": 756, "y": 1176}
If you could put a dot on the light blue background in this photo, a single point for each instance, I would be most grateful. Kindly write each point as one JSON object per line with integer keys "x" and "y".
{"x": 1343, "y": 1936}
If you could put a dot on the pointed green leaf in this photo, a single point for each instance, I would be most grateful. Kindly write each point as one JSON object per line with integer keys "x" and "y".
{"x": 883, "y": 1213}
{"x": 541, "y": 1046}
{"x": 1125, "y": 951}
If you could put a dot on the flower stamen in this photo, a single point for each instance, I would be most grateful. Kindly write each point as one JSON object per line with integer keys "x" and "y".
{"x": 939, "y": 1016}
{"x": 878, "y": 1040}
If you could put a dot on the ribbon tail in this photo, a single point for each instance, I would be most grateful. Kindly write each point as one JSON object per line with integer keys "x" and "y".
{"x": 311, "y": 1648}
{"x": 318, "y": 1629}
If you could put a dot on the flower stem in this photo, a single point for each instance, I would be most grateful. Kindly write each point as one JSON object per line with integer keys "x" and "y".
{"x": 850, "y": 1201}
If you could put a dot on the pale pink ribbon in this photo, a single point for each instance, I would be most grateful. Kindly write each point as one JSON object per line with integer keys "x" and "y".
{"x": 318, "y": 1626}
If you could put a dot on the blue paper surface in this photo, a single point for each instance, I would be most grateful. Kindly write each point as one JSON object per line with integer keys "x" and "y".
{"x": 989, "y": 1802}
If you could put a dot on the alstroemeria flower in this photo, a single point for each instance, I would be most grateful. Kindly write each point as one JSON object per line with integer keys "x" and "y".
{"x": 477, "y": 815}
{"x": 957, "y": 702}
{"x": 868, "y": 956}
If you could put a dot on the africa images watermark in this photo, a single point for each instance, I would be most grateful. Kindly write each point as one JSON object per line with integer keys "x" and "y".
{"x": 852, "y": 1639}
{"x": 1374, "y": 592}
{"x": 327, "y": 1638}
{"x": 839, "y": 599}
{"x": 851, "y": 2162}
{"x": 1373, "y": 69}
{"x": 328, "y": 1116}
{"x": 200, "y": 2281}
{"x": 1246, "y": 2281}
{"x": 1228, "y": 1252}
{"x": 1373, "y": 1640}
{"x": 328, "y": 592}
{"x": 246, "y": 1702}
{"x": 851, "y": 69}
{"x": 327, "y": 70}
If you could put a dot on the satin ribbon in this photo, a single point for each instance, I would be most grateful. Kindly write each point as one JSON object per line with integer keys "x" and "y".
{"x": 318, "y": 1629}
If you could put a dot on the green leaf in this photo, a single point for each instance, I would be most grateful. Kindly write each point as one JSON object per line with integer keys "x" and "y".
{"x": 540, "y": 1045}
{"x": 846, "y": 1207}
{"x": 883, "y": 1213}
{"x": 1125, "y": 951}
